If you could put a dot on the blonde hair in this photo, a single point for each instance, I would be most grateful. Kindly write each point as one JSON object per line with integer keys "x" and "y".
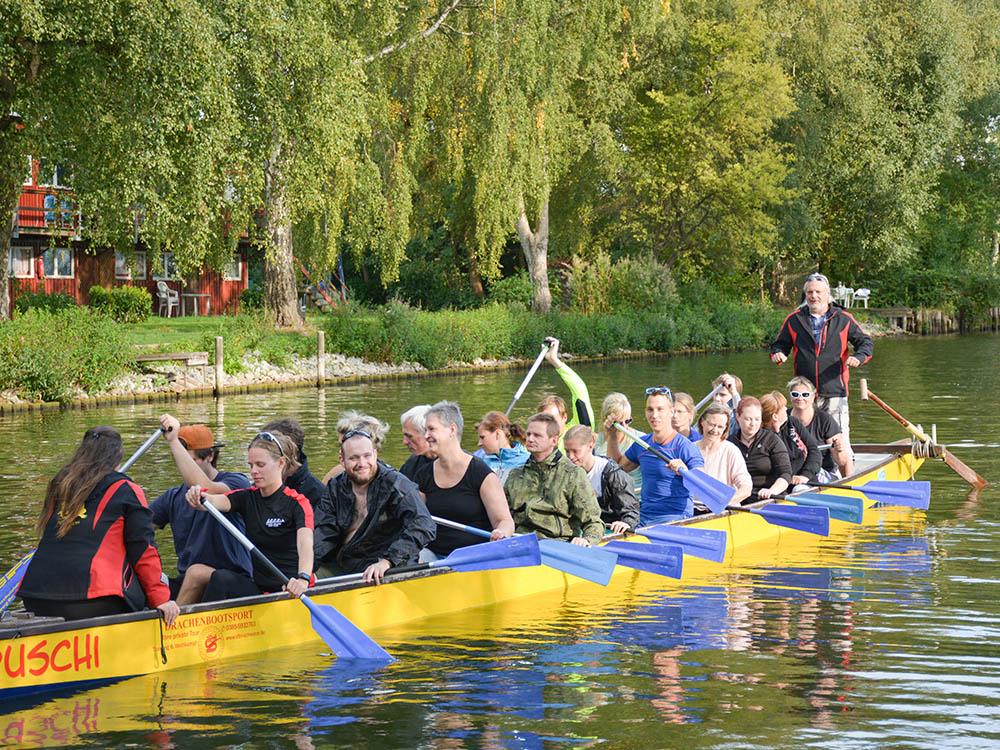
{"x": 685, "y": 399}
{"x": 801, "y": 382}
{"x": 285, "y": 448}
{"x": 355, "y": 420}
{"x": 770, "y": 404}
{"x": 555, "y": 401}
{"x": 579, "y": 433}
{"x": 617, "y": 403}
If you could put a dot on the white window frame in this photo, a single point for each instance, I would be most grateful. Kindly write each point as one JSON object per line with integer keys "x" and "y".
{"x": 162, "y": 272}
{"x": 55, "y": 274}
{"x": 31, "y": 262}
{"x": 30, "y": 179}
{"x": 56, "y": 168}
{"x": 128, "y": 274}
{"x": 226, "y": 275}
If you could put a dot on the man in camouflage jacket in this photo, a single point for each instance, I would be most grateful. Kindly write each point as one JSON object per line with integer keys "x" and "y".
{"x": 550, "y": 494}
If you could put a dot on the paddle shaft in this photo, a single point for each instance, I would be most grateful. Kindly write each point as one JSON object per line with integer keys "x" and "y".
{"x": 959, "y": 467}
{"x": 142, "y": 449}
{"x": 697, "y": 407}
{"x": 242, "y": 538}
{"x": 527, "y": 378}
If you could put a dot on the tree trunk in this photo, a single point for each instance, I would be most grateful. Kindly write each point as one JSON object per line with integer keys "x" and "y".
{"x": 10, "y": 195}
{"x": 536, "y": 250}
{"x": 280, "y": 294}
{"x": 475, "y": 280}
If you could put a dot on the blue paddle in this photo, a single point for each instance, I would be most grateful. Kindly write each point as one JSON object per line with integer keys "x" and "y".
{"x": 802, "y": 518}
{"x": 841, "y": 507}
{"x": 591, "y": 563}
{"x": 343, "y": 637}
{"x": 662, "y": 559}
{"x": 912, "y": 494}
{"x": 708, "y": 544}
{"x": 709, "y": 490}
{"x": 515, "y": 552}
{"x": 11, "y": 581}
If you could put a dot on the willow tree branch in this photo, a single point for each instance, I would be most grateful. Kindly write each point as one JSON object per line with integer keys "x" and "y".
{"x": 416, "y": 37}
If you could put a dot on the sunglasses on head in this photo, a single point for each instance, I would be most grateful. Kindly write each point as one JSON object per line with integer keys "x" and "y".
{"x": 659, "y": 390}
{"x": 355, "y": 433}
{"x": 800, "y": 394}
{"x": 269, "y": 438}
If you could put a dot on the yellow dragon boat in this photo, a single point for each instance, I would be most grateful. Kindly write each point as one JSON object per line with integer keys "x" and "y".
{"x": 39, "y": 654}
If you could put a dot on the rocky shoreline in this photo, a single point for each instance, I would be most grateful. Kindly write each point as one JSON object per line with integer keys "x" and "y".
{"x": 172, "y": 380}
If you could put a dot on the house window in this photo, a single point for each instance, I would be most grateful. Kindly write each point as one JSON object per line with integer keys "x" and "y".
{"x": 165, "y": 269}
{"x": 233, "y": 270}
{"x": 135, "y": 270}
{"x": 58, "y": 263}
{"x": 21, "y": 263}
{"x": 51, "y": 175}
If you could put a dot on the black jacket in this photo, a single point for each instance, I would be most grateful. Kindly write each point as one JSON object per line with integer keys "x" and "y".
{"x": 303, "y": 482}
{"x": 766, "y": 458}
{"x": 617, "y": 499}
{"x": 397, "y": 525}
{"x": 803, "y": 450}
{"x": 825, "y": 364}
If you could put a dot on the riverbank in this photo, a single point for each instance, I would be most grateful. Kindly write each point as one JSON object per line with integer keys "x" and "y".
{"x": 252, "y": 372}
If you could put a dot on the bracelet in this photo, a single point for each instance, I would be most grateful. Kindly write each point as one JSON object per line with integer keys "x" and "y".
{"x": 305, "y": 577}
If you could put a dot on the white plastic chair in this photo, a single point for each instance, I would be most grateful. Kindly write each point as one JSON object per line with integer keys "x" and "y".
{"x": 169, "y": 299}
{"x": 862, "y": 295}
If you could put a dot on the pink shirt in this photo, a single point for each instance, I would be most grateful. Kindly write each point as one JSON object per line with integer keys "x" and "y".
{"x": 726, "y": 464}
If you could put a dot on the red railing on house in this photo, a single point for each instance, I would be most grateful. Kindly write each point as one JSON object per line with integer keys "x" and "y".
{"x": 43, "y": 209}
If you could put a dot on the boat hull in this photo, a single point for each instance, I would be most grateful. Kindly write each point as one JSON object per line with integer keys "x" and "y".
{"x": 36, "y": 655}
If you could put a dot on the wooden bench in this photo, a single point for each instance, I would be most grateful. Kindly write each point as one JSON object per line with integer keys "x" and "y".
{"x": 190, "y": 359}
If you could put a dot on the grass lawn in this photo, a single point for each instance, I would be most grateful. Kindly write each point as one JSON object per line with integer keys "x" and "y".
{"x": 191, "y": 333}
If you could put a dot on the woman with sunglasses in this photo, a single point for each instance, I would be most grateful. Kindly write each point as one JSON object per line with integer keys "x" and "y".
{"x": 803, "y": 451}
{"x": 723, "y": 460}
{"x": 764, "y": 452}
{"x": 821, "y": 426}
{"x": 279, "y": 521}
{"x": 664, "y": 496}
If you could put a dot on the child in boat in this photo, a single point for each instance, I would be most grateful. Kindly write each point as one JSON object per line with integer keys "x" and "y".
{"x": 501, "y": 444}
{"x": 279, "y": 521}
{"x": 96, "y": 554}
{"x": 615, "y": 495}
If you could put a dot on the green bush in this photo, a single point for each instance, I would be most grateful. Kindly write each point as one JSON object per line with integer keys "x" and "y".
{"x": 255, "y": 332}
{"x": 44, "y": 355}
{"x": 252, "y": 299}
{"x": 125, "y": 304}
{"x": 397, "y": 332}
{"x": 42, "y": 301}
{"x": 512, "y": 289}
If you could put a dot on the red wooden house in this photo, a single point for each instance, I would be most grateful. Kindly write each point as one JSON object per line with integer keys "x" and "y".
{"x": 47, "y": 254}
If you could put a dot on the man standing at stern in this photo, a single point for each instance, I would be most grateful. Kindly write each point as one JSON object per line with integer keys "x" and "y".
{"x": 817, "y": 335}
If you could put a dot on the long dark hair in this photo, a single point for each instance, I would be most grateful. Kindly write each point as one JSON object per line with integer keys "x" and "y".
{"x": 99, "y": 453}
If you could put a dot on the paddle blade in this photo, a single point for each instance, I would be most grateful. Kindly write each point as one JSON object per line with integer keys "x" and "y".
{"x": 591, "y": 563}
{"x": 515, "y": 552}
{"x": 708, "y": 544}
{"x": 842, "y": 508}
{"x": 801, "y": 518}
{"x": 915, "y": 494}
{"x": 12, "y": 581}
{"x": 662, "y": 559}
{"x": 709, "y": 490}
{"x": 343, "y": 637}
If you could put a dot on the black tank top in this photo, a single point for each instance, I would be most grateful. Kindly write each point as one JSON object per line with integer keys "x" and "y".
{"x": 461, "y": 503}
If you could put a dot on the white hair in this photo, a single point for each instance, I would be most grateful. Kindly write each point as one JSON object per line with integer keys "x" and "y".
{"x": 417, "y": 415}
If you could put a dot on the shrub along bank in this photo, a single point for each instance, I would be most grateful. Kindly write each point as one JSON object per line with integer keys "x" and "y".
{"x": 54, "y": 356}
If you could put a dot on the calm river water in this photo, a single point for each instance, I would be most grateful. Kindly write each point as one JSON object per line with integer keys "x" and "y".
{"x": 878, "y": 636}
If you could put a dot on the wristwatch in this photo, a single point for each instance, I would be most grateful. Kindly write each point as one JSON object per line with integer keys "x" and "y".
{"x": 304, "y": 576}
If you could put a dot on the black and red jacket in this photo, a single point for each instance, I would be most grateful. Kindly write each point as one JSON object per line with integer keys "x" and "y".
{"x": 824, "y": 364}
{"x": 108, "y": 551}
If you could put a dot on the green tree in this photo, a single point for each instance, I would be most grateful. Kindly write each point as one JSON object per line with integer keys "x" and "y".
{"x": 133, "y": 101}
{"x": 878, "y": 87}
{"x": 702, "y": 170}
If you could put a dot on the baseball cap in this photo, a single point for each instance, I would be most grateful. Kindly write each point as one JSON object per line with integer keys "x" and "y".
{"x": 197, "y": 437}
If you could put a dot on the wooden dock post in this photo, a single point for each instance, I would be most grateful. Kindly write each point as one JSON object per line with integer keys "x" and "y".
{"x": 218, "y": 365}
{"x": 320, "y": 358}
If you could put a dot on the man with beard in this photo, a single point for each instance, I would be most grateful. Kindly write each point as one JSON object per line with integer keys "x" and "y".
{"x": 817, "y": 335}
{"x": 373, "y": 518}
